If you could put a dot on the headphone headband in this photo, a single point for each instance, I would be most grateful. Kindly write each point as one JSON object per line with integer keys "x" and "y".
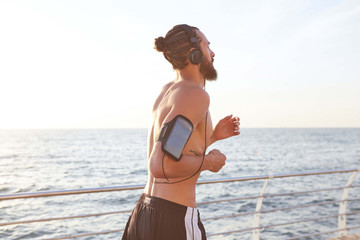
{"x": 190, "y": 32}
{"x": 195, "y": 56}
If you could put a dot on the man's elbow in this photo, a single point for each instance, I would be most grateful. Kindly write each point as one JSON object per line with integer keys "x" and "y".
{"x": 155, "y": 167}
{"x": 159, "y": 167}
{"x": 156, "y": 162}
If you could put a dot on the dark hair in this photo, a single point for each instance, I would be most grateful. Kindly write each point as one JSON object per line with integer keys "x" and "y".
{"x": 175, "y": 46}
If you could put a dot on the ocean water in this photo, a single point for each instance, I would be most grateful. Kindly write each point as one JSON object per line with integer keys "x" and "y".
{"x": 47, "y": 160}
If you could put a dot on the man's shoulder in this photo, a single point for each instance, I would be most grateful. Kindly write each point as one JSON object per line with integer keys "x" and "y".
{"x": 167, "y": 86}
{"x": 195, "y": 94}
{"x": 190, "y": 97}
{"x": 190, "y": 90}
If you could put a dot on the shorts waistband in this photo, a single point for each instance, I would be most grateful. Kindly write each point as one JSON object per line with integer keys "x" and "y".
{"x": 160, "y": 203}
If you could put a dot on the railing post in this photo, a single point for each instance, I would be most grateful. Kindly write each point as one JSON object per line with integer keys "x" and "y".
{"x": 256, "y": 232}
{"x": 342, "y": 207}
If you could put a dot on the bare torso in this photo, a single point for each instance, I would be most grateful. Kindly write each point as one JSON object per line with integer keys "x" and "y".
{"x": 184, "y": 191}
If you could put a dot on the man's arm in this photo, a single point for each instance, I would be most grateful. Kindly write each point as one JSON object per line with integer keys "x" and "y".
{"x": 227, "y": 127}
{"x": 193, "y": 104}
{"x": 188, "y": 164}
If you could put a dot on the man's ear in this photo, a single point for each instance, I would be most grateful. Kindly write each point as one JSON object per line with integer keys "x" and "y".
{"x": 188, "y": 57}
{"x": 191, "y": 49}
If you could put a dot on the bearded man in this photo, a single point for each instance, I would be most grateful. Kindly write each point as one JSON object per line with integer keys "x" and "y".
{"x": 181, "y": 132}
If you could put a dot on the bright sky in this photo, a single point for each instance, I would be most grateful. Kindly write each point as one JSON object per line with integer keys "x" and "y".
{"x": 91, "y": 64}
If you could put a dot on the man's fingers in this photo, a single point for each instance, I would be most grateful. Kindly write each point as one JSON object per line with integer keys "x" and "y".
{"x": 236, "y": 121}
{"x": 228, "y": 117}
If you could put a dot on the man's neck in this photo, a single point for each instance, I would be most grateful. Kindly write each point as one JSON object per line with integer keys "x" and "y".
{"x": 191, "y": 73}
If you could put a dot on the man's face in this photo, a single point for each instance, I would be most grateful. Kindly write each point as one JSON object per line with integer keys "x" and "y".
{"x": 207, "y": 67}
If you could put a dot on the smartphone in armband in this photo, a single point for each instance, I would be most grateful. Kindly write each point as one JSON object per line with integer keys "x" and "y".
{"x": 174, "y": 135}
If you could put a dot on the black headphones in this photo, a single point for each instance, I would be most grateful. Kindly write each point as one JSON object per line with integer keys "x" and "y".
{"x": 195, "y": 56}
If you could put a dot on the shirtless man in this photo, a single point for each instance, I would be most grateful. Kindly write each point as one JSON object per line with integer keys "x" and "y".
{"x": 167, "y": 208}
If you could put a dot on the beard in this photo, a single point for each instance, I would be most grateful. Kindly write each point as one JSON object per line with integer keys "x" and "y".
{"x": 208, "y": 71}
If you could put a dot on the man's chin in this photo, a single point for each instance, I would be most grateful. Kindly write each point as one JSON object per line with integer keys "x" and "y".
{"x": 212, "y": 78}
{"x": 211, "y": 75}
{"x": 209, "y": 72}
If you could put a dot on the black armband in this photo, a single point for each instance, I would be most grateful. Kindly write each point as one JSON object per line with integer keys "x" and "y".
{"x": 174, "y": 135}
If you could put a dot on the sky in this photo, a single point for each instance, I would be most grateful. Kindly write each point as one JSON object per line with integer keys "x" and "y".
{"x": 92, "y": 64}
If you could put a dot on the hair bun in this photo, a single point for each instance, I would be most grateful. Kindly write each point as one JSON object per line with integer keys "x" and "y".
{"x": 160, "y": 44}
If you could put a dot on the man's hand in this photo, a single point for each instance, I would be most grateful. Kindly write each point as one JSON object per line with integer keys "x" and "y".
{"x": 215, "y": 160}
{"x": 227, "y": 127}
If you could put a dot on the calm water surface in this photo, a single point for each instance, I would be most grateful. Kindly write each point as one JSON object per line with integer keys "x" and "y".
{"x": 45, "y": 160}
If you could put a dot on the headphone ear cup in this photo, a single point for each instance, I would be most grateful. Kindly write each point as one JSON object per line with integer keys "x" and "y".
{"x": 196, "y": 57}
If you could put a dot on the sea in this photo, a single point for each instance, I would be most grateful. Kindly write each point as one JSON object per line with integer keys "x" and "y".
{"x": 62, "y": 159}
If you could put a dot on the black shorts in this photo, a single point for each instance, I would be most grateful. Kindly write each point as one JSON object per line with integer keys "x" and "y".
{"x": 158, "y": 219}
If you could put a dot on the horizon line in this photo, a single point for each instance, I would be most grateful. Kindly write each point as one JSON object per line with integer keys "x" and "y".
{"x": 134, "y": 128}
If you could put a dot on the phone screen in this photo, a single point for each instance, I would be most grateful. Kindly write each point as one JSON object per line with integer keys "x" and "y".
{"x": 178, "y": 137}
